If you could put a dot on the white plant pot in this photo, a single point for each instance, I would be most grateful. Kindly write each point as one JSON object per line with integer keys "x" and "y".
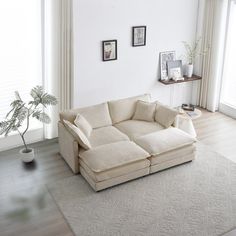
{"x": 189, "y": 70}
{"x": 27, "y": 156}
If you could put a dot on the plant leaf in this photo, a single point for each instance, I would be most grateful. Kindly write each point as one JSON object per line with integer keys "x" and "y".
{"x": 42, "y": 116}
{"x": 48, "y": 99}
{"x": 40, "y": 97}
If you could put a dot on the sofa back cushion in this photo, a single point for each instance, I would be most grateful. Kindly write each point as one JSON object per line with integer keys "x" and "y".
{"x": 165, "y": 115}
{"x": 97, "y": 115}
{"x": 123, "y": 109}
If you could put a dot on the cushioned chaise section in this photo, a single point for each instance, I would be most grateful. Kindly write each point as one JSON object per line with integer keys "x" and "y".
{"x": 171, "y": 155}
{"x": 106, "y": 135}
{"x": 97, "y": 186}
{"x": 174, "y": 162}
{"x": 115, "y": 172}
{"x": 124, "y": 109}
{"x": 105, "y": 157}
{"x": 97, "y": 115}
{"x": 164, "y": 141}
{"x": 135, "y": 128}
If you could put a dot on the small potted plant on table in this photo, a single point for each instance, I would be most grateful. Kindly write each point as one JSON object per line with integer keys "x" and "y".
{"x": 18, "y": 118}
{"x": 192, "y": 52}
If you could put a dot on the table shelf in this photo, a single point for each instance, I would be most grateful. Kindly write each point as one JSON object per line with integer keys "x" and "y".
{"x": 186, "y": 79}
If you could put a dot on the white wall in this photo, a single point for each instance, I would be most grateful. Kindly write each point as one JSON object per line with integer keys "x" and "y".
{"x": 137, "y": 69}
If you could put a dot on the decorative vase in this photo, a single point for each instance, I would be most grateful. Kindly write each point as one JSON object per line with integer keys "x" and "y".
{"x": 27, "y": 156}
{"x": 189, "y": 70}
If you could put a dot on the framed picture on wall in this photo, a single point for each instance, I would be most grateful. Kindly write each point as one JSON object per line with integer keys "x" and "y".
{"x": 139, "y": 36}
{"x": 164, "y": 58}
{"x": 109, "y": 50}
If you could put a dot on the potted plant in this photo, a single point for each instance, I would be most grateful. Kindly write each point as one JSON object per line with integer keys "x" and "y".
{"x": 192, "y": 51}
{"x": 18, "y": 118}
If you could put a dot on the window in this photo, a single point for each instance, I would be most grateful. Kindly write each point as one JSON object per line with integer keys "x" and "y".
{"x": 228, "y": 95}
{"x": 20, "y": 51}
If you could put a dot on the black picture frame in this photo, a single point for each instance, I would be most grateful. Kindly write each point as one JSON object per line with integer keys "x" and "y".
{"x": 109, "y": 50}
{"x": 141, "y": 30}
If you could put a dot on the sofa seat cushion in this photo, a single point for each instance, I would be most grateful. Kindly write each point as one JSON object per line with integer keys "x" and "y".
{"x": 185, "y": 151}
{"x": 123, "y": 109}
{"x": 115, "y": 172}
{"x": 109, "y": 156}
{"x": 137, "y": 128}
{"x": 106, "y": 135}
{"x": 164, "y": 141}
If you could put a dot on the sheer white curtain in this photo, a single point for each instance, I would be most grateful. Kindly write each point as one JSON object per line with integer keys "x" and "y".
{"x": 58, "y": 57}
{"x": 228, "y": 95}
{"x": 212, "y": 30}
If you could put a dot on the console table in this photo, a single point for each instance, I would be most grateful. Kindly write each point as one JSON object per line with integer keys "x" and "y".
{"x": 173, "y": 83}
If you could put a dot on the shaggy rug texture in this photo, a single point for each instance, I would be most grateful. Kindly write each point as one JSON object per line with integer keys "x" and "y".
{"x": 197, "y": 198}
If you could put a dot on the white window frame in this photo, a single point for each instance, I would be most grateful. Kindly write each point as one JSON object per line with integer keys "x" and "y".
{"x": 224, "y": 107}
{"x": 13, "y": 140}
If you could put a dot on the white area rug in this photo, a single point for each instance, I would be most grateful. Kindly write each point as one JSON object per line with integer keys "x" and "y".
{"x": 197, "y": 198}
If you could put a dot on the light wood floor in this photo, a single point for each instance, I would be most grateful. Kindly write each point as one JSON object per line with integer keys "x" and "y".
{"x": 25, "y": 211}
{"x": 218, "y": 131}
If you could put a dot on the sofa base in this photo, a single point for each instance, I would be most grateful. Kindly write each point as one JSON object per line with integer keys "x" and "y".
{"x": 97, "y": 186}
{"x": 171, "y": 163}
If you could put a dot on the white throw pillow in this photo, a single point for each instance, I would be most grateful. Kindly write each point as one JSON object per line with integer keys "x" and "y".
{"x": 165, "y": 115}
{"x": 77, "y": 134}
{"x": 144, "y": 111}
{"x": 83, "y": 124}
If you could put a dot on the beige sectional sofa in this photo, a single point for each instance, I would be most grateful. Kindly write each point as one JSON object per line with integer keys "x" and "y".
{"x": 121, "y": 140}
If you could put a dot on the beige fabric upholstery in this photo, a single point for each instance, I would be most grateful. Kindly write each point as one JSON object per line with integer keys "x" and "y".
{"x": 165, "y": 115}
{"x": 164, "y": 141}
{"x": 123, "y": 109}
{"x": 144, "y": 111}
{"x": 171, "y": 163}
{"x": 68, "y": 148}
{"x": 97, "y": 115}
{"x": 111, "y": 158}
{"x": 171, "y": 155}
{"x": 113, "y": 155}
{"x": 184, "y": 123}
{"x": 137, "y": 128}
{"x": 77, "y": 134}
{"x": 83, "y": 124}
{"x": 97, "y": 186}
{"x": 106, "y": 135}
{"x": 115, "y": 172}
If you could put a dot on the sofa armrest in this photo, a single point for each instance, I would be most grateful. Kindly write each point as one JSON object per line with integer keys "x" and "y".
{"x": 184, "y": 123}
{"x": 69, "y": 148}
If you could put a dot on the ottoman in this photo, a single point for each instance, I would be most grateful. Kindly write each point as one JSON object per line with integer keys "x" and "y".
{"x": 112, "y": 164}
{"x": 167, "y": 148}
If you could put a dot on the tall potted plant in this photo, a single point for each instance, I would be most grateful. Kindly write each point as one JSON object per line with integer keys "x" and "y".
{"x": 192, "y": 51}
{"x": 18, "y": 118}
